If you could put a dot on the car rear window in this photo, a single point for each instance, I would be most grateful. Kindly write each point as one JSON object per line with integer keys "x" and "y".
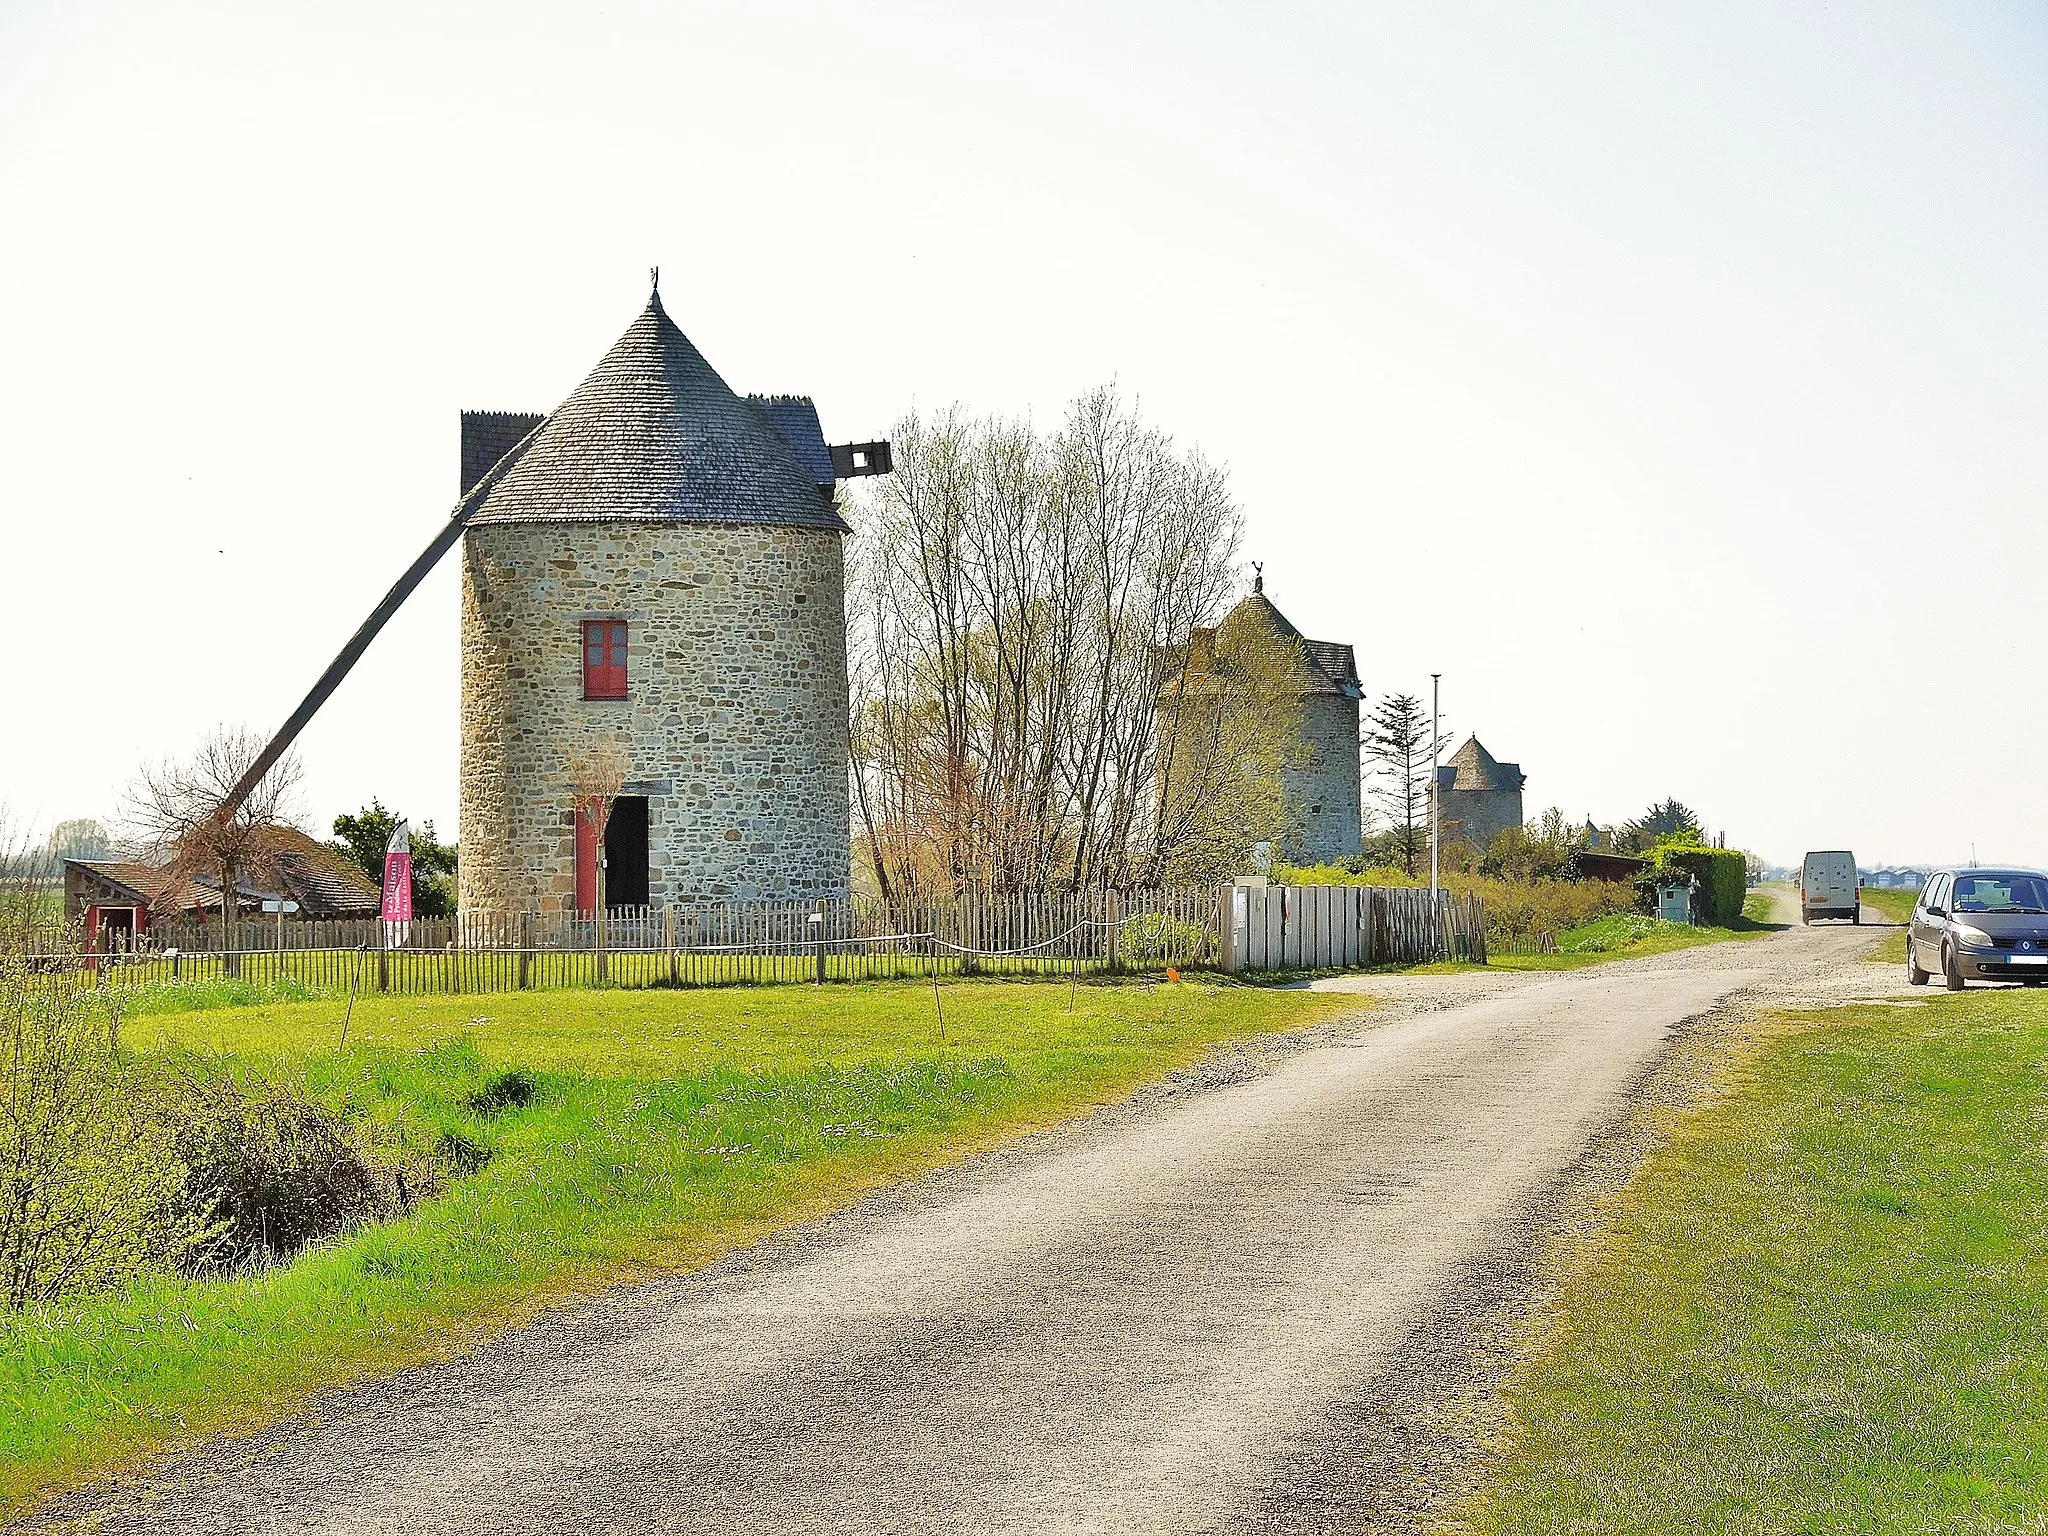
{"x": 2001, "y": 893}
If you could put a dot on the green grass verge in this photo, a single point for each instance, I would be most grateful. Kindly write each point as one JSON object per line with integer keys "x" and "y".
{"x": 1821, "y": 1306}
{"x": 667, "y": 1127}
{"x": 1624, "y": 936}
{"x": 1895, "y": 907}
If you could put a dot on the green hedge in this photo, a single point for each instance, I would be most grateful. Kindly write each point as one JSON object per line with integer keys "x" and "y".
{"x": 1723, "y": 874}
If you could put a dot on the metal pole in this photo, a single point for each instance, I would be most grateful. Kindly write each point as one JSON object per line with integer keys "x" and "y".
{"x": 1435, "y": 746}
{"x": 1435, "y": 819}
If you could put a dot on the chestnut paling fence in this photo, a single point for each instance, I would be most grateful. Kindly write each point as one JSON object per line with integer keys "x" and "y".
{"x": 1337, "y": 927}
{"x": 729, "y": 943}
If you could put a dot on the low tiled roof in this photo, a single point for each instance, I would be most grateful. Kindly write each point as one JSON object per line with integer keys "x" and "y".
{"x": 140, "y": 882}
{"x": 1473, "y": 767}
{"x": 655, "y": 435}
{"x": 286, "y": 863}
{"x": 324, "y": 883}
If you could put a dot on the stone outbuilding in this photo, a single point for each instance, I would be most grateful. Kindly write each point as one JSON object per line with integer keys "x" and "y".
{"x": 1478, "y": 797}
{"x": 1323, "y": 792}
{"x": 657, "y": 572}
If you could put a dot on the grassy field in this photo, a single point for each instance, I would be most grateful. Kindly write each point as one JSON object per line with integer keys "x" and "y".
{"x": 663, "y": 1128}
{"x": 1821, "y": 1306}
{"x": 1895, "y": 907}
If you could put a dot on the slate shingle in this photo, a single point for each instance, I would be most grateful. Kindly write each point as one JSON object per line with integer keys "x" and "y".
{"x": 795, "y": 420}
{"x": 655, "y": 435}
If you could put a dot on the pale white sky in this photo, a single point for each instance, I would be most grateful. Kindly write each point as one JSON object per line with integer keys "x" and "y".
{"x": 1673, "y": 379}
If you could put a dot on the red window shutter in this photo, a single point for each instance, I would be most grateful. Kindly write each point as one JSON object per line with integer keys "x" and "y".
{"x": 586, "y": 862}
{"x": 604, "y": 658}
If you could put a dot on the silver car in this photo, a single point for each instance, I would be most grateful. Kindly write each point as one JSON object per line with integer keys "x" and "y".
{"x": 1980, "y": 925}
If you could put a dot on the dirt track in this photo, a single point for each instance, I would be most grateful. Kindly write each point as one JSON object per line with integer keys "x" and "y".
{"x": 1240, "y": 1305}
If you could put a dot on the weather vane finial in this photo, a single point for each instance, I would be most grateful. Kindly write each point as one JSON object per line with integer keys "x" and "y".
{"x": 1258, "y": 575}
{"x": 654, "y": 280}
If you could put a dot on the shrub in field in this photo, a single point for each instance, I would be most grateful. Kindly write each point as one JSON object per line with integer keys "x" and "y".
{"x": 94, "y": 1191}
{"x": 1540, "y": 851}
{"x": 1153, "y": 938}
{"x": 273, "y": 1171}
{"x": 1520, "y": 908}
{"x": 1515, "y": 909}
{"x": 1723, "y": 875}
{"x": 1379, "y": 875}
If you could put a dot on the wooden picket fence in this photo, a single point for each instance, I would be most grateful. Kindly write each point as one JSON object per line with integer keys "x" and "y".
{"x": 708, "y": 944}
{"x": 1339, "y": 927}
{"x": 735, "y": 943}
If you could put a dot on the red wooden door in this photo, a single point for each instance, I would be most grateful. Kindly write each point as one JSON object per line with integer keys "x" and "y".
{"x": 586, "y": 862}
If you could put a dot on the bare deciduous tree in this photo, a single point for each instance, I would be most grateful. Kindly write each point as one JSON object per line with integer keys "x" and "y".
{"x": 1012, "y": 597}
{"x": 597, "y": 777}
{"x": 181, "y": 810}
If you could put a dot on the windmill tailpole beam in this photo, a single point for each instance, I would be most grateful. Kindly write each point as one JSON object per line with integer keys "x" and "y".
{"x": 350, "y": 654}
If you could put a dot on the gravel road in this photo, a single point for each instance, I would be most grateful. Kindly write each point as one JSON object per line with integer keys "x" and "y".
{"x": 1240, "y": 1304}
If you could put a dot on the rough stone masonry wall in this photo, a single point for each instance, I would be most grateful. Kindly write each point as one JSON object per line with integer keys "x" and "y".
{"x": 735, "y": 710}
{"x": 1478, "y": 816}
{"x": 1325, "y": 789}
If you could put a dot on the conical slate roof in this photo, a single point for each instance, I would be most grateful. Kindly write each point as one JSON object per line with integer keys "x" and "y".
{"x": 655, "y": 435}
{"x": 1473, "y": 767}
{"x": 1328, "y": 666}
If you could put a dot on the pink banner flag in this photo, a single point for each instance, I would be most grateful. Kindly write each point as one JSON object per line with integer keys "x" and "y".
{"x": 398, "y": 877}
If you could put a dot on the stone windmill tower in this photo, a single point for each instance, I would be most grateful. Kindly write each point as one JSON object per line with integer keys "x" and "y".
{"x": 1323, "y": 791}
{"x": 656, "y": 568}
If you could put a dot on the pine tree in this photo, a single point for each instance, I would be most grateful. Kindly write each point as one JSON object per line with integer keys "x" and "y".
{"x": 1398, "y": 747}
{"x": 1669, "y": 820}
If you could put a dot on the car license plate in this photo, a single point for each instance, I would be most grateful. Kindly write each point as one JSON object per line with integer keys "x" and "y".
{"x": 2026, "y": 959}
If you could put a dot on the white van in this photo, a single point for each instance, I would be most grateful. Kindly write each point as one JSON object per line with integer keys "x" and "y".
{"x": 1828, "y": 887}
